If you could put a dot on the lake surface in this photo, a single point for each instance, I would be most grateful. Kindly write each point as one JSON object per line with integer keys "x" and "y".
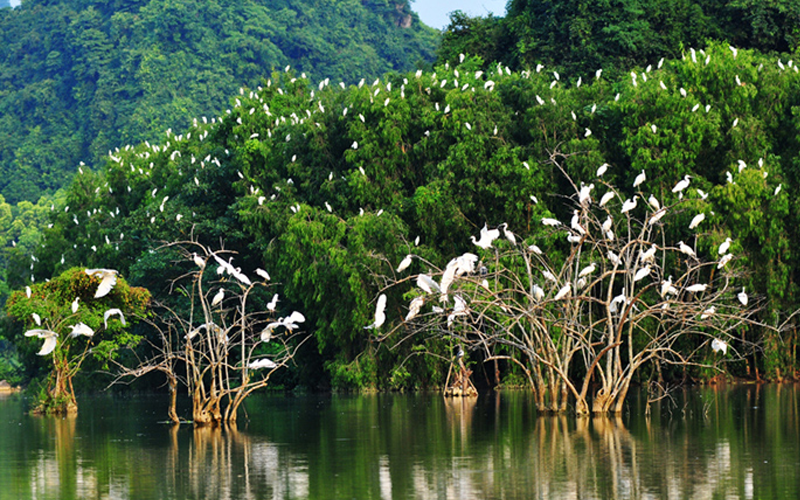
{"x": 729, "y": 443}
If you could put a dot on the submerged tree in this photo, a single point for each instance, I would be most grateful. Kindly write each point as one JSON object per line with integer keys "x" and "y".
{"x": 80, "y": 313}
{"x": 619, "y": 294}
{"x": 224, "y": 343}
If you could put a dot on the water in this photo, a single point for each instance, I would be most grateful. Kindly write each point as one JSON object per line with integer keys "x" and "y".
{"x": 732, "y": 443}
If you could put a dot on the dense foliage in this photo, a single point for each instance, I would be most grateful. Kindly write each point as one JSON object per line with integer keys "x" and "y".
{"x": 582, "y": 36}
{"x": 79, "y": 78}
{"x": 329, "y": 188}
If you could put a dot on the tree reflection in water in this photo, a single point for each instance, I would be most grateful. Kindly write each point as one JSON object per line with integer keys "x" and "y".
{"x": 716, "y": 443}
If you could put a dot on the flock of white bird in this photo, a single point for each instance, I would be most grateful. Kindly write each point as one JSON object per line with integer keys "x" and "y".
{"x": 134, "y": 159}
{"x": 108, "y": 278}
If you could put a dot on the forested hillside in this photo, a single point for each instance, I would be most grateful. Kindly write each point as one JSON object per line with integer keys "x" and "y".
{"x": 79, "y": 78}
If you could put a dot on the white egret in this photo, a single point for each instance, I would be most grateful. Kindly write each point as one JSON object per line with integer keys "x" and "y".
{"x": 654, "y": 203}
{"x": 538, "y": 292}
{"x": 606, "y": 198}
{"x": 666, "y": 287}
{"x": 81, "y": 329}
{"x": 682, "y": 184}
{"x": 629, "y": 205}
{"x": 684, "y": 248}
{"x": 217, "y": 300}
{"x": 404, "y": 263}
{"x": 273, "y": 303}
{"x": 718, "y": 345}
{"x": 586, "y": 271}
{"x": 427, "y": 284}
{"x": 649, "y": 254}
{"x": 108, "y": 278}
{"x": 37, "y": 319}
{"x": 696, "y": 220}
{"x": 551, "y": 222}
{"x": 657, "y": 216}
{"x": 602, "y": 169}
{"x": 380, "y": 314}
{"x": 639, "y": 179}
{"x": 74, "y": 305}
{"x": 508, "y": 234}
{"x": 414, "y": 307}
{"x": 641, "y": 273}
{"x": 723, "y": 248}
{"x": 28, "y": 291}
{"x": 50, "y": 340}
{"x": 262, "y": 363}
{"x": 708, "y": 312}
{"x": 487, "y": 237}
{"x": 742, "y": 296}
{"x": 585, "y": 194}
{"x": 549, "y": 276}
{"x": 724, "y": 260}
{"x": 576, "y": 223}
{"x": 565, "y": 290}
{"x": 535, "y": 249}
{"x": 111, "y": 312}
{"x": 607, "y": 224}
{"x": 459, "y": 309}
{"x": 698, "y": 288}
{"x": 263, "y": 274}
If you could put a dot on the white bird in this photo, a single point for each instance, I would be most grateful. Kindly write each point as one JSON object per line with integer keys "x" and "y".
{"x": 262, "y": 363}
{"x": 111, "y": 312}
{"x": 723, "y": 248}
{"x": 742, "y": 296}
{"x": 28, "y": 291}
{"x": 718, "y": 345}
{"x": 585, "y": 194}
{"x": 487, "y": 237}
{"x": 538, "y": 292}
{"x": 414, "y": 307}
{"x": 273, "y": 303}
{"x": 641, "y": 273}
{"x": 606, "y": 198}
{"x": 50, "y": 340}
{"x": 551, "y": 222}
{"x": 666, "y": 287}
{"x": 649, "y": 254}
{"x": 263, "y": 274}
{"x": 614, "y": 258}
{"x": 587, "y": 270}
{"x": 724, "y": 260}
{"x": 549, "y": 276}
{"x": 777, "y": 190}
{"x": 380, "y": 314}
{"x": 697, "y": 288}
{"x": 708, "y": 312}
{"x": 108, "y": 278}
{"x": 459, "y": 309}
{"x": 81, "y": 329}
{"x": 427, "y": 284}
{"x": 653, "y": 202}
{"x": 535, "y": 249}
{"x": 37, "y": 319}
{"x": 508, "y": 234}
{"x": 696, "y": 220}
{"x": 602, "y": 169}
{"x": 657, "y": 216}
{"x": 682, "y": 184}
{"x": 217, "y": 300}
{"x": 565, "y": 290}
{"x": 639, "y": 179}
{"x": 404, "y": 263}
{"x": 684, "y": 248}
{"x": 629, "y": 205}
{"x": 74, "y": 305}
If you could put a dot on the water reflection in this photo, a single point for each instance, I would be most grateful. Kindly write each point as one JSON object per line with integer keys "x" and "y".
{"x": 712, "y": 443}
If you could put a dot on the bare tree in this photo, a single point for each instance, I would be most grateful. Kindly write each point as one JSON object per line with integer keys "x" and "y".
{"x": 217, "y": 345}
{"x": 616, "y": 295}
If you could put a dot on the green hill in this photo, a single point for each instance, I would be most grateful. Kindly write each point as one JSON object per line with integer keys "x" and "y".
{"x": 79, "y": 78}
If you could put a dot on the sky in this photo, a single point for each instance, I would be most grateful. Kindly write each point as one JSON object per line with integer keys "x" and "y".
{"x": 434, "y": 13}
